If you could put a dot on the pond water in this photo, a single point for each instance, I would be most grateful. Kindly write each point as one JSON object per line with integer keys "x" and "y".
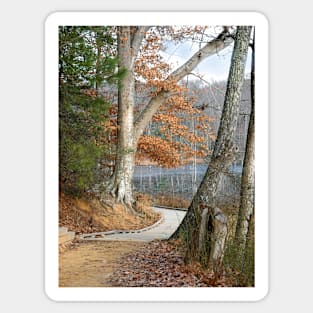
{"x": 183, "y": 181}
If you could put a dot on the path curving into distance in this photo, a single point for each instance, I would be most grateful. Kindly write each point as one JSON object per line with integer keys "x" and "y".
{"x": 163, "y": 229}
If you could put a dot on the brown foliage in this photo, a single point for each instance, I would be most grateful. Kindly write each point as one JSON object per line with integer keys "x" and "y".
{"x": 158, "y": 150}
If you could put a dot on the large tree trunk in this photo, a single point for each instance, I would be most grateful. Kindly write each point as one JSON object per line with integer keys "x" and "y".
{"x": 129, "y": 40}
{"x": 206, "y": 244}
{"x": 246, "y": 209}
{"x": 124, "y": 167}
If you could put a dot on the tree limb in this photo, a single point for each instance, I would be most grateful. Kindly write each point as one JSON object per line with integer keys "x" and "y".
{"x": 213, "y": 47}
{"x": 137, "y": 38}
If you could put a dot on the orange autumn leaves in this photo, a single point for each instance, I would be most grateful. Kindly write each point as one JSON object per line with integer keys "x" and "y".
{"x": 175, "y": 143}
{"x": 178, "y": 131}
{"x": 158, "y": 151}
{"x": 181, "y": 132}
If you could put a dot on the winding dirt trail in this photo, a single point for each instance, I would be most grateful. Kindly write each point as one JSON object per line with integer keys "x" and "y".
{"x": 89, "y": 263}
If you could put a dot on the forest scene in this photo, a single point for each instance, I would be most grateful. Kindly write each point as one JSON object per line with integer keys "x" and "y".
{"x": 156, "y": 157}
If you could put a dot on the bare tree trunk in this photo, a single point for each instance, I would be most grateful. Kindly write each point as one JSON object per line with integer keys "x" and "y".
{"x": 122, "y": 185}
{"x": 247, "y": 182}
{"x": 129, "y": 40}
{"x": 208, "y": 247}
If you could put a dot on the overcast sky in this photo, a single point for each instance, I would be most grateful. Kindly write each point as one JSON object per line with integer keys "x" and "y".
{"x": 214, "y": 68}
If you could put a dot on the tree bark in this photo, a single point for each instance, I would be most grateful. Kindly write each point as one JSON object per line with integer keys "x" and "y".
{"x": 124, "y": 167}
{"x": 129, "y": 40}
{"x": 209, "y": 249}
{"x": 246, "y": 209}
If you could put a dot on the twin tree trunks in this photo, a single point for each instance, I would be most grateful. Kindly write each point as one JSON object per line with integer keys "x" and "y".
{"x": 205, "y": 226}
{"x": 245, "y": 226}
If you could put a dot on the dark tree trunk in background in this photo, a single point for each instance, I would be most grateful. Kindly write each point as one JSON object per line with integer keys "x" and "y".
{"x": 246, "y": 209}
{"x": 205, "y": 226}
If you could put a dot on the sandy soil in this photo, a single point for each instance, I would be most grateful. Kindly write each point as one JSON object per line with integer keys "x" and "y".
{"x": 89, "y": 264}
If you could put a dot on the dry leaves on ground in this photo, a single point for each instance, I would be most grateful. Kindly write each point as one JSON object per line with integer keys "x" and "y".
{"x": 74, "y": 219}
{"x": 160, "y": 264}
{"x": 89, "y": 216}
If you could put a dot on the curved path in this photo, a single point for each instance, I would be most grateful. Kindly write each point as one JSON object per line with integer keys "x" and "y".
{"x": 161, "y": 230}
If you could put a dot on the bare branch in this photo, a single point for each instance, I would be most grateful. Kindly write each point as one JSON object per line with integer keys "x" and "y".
{"x": 213, "y": 47}
{"x": 137, "y": 38}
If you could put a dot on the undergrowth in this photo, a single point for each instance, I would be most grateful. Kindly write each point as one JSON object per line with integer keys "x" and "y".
{"x": 85, "y": 215}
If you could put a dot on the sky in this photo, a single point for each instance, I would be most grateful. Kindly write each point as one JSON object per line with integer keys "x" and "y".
{"x": 213, "y": 68}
